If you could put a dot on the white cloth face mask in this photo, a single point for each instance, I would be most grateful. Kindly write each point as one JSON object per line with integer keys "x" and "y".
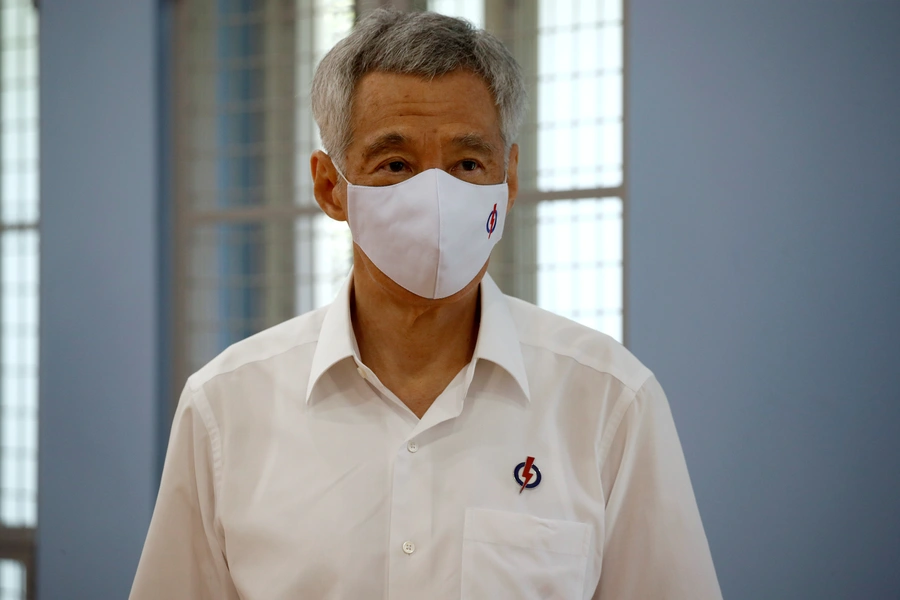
{"x": 430, "y": 234}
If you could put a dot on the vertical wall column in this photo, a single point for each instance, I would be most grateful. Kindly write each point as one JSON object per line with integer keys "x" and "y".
{"x": 279, "y": 166}
{"x": 514, "y": 260}
{"x": 100, "y": 294}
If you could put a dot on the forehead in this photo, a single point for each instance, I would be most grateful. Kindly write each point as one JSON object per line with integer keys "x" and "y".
{"x": 458, "y": 102}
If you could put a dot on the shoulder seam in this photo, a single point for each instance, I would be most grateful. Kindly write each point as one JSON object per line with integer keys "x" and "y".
{"x": 623, "y": 403}
{"x": 645, "y": 373}
{"x": 199, "y": 382}
{"x": 201, "y": 403}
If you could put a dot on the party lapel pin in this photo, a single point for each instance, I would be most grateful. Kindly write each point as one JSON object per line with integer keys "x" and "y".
{"x": 527, "y": 475}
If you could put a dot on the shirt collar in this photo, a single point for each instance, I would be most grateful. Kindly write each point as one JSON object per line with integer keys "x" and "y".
{"x": 336, "y": 338}
{"x": 498, "y": 339}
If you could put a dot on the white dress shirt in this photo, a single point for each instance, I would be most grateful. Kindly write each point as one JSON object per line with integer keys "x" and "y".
{"x": 293, "y": 473}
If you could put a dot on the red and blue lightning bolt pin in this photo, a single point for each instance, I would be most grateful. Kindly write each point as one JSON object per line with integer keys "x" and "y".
{"x": 526, "y": 469}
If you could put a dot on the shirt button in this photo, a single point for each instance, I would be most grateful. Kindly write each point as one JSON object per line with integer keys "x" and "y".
{"x": 409, "y": 547}
{"x": 412, "y": 447}
{"x": 361, "y": 372}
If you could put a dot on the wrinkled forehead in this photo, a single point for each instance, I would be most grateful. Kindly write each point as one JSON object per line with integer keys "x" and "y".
{"x": 382, "y": 98}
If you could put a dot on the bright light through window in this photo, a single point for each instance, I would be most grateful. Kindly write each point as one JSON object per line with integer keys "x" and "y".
{"x": 19, "y": 212}
{"x": 470, "y": 10}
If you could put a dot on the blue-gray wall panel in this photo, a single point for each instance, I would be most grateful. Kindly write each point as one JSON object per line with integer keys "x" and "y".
{"x": 764, "y": 270}
{"x": 99, "y": 294}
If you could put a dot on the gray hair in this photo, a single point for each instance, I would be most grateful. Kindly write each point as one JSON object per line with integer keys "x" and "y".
{"x": 418, "y": 43}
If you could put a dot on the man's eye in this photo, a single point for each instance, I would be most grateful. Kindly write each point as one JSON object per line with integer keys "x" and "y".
{"x": 396, "y": 166}
{"x": 468, "y": 165}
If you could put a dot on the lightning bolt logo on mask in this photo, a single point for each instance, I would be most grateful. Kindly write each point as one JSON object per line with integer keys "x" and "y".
{"x": 491, "y": 222}
{"x": 525, "y": 479}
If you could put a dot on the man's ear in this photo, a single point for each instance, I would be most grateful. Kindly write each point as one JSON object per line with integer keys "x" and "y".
{"x": 512, "y": 176}
{"x": 330, "y": 195}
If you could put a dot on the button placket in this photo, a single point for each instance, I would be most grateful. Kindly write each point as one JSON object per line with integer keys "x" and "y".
{"x": 411, "y": 523}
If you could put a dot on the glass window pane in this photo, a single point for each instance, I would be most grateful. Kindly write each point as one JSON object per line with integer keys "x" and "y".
{"x": 19, "y": 368}
{"x": 470, "y": 10}
{"x": 580, "y": 261}
{"x": 18, "y": 114}
{"x": 579, "y": 94}
{"x": 324, "y": 257}
{"x": 12, "y": 580}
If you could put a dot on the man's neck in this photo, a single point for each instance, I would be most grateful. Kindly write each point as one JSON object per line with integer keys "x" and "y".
{"x": 415, "y": 349}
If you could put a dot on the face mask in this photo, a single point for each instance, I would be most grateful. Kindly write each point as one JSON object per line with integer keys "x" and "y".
{"x": 430, "y": 234}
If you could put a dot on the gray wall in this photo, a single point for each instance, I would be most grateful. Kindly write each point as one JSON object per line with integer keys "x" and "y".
{"x": 764, "y": 246}
{"x": 99, "y": 294}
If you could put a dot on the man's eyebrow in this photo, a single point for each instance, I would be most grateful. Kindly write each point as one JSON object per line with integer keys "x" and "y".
{"x": 473, "y": 141}
{"x": 386, "y": 141}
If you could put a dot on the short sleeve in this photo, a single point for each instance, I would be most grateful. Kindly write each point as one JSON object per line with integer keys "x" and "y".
{"x": 655, "y": 546}
{"x": 183, "y": 555}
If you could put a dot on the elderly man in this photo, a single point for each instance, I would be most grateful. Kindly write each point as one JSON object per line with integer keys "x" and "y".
{"x": 424, "y": 436}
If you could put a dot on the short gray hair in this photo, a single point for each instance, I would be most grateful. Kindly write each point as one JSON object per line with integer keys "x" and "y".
{"x": 425, "y": 44}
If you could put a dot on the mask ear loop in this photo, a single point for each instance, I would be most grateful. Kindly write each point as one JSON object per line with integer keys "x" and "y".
{"x": 336, "y": 168}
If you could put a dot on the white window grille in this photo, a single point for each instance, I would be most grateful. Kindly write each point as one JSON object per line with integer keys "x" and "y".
{"x": 19, "y": 236}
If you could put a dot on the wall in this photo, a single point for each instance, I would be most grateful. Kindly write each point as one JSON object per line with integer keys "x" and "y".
{"x": 99, "y": 446}
{"x": 764, "y": 279}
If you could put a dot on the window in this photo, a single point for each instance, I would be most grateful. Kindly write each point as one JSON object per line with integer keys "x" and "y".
{"x": 253, "y": 248}
{"x": 580, "y": 175}
{"x": 564, "y": 251}
{"x": 19, "y": 214}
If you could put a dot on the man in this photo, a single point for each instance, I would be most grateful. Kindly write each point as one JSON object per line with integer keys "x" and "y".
{"x": 424, "y": 436}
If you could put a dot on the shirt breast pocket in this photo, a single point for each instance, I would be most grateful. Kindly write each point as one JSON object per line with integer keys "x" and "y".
{"x": 520, "y": 556}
